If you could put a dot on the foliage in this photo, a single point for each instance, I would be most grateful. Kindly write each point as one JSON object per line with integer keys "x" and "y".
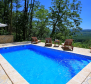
{"x": 82, "y": 44}
{"x": 34, "y": 20}
{"x": 65, "y": 16}
{"x": 83, "y": 36}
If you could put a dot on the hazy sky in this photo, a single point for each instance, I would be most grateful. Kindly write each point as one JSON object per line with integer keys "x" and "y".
{"x": 85, "y": 13}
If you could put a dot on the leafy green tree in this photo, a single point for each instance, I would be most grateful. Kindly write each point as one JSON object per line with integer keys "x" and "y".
{"x": 31, "y": 11}
{"x": 5, "y": 13}
{"x": 1, "y": 10}
{"x": 11, "y": 19}
{"x": 16, "y": 15}
{"x": 65, "y": 16}
{"x": 41, "y": 15}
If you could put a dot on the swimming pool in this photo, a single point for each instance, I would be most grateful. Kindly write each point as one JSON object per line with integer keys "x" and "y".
{"x": 40, "y": 65}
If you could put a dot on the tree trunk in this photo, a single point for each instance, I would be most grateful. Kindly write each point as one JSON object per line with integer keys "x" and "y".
{"x": 53, "y": 31}
{"x": 31, "y": 17}
{"x": 11, "y": 19}
{"x": 26, "y": 19}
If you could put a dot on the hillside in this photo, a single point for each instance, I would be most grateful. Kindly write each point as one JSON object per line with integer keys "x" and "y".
{"x": 83, "y": 35}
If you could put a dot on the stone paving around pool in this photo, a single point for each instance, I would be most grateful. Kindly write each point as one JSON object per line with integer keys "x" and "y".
{"x": 88, "y": 80}
{"x": 3, "y": 77}
{"x": 83, "y": 77}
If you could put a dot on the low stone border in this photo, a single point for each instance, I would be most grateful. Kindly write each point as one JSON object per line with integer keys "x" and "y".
{"x": 81, "y": 76}
{"x": 6, "y": 74}
{"x": 6, "y": 38}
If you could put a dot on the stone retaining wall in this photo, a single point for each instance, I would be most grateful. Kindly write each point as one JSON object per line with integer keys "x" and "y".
{"x": 6, "y": 38}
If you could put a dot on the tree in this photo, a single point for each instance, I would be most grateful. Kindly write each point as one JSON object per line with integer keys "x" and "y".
{"x": 16, "y": 18}
{"x": 63, "y": 17}
{"x": 41, "y": 14}
{"x": 31, "y": 16}
{"x": 5, "y": 13}
{"x": 11, "y": 19}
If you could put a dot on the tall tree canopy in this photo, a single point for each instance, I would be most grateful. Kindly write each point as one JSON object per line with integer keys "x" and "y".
{"x": 34, "y": 20}
{"x": 64, "y": 17}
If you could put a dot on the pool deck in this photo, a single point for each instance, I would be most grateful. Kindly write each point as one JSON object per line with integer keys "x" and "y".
{"x": 4, "y": 79}
{"x": 13, "y": 77}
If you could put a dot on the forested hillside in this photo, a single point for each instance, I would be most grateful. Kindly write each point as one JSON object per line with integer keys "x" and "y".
{"x": 83, "y": 35}
{"x": 34, "y": 20}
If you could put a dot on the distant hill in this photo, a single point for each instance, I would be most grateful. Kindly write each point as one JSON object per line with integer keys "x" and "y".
{"x": 83, "y": 35}
{"x": 86, "y": 30}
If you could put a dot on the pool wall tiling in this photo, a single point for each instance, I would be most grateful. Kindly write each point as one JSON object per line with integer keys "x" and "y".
{"x": 57, "y": 53}
{"x": 43, "y": 50}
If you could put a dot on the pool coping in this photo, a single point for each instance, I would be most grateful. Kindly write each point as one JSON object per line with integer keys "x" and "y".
{"x": 81, "y": 76}
{"x": 16, "y": 78}
{"x": 12, "y": 74}
{"x": 5, "y": 76}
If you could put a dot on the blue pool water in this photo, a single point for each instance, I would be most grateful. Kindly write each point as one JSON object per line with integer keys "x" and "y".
{"x": 40, "y": 65}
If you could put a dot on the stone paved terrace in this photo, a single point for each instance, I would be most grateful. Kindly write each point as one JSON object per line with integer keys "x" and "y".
{"x": 87, "y": 80}
{"x": 4, "y": 79}
{"x": 83, "y": 77}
